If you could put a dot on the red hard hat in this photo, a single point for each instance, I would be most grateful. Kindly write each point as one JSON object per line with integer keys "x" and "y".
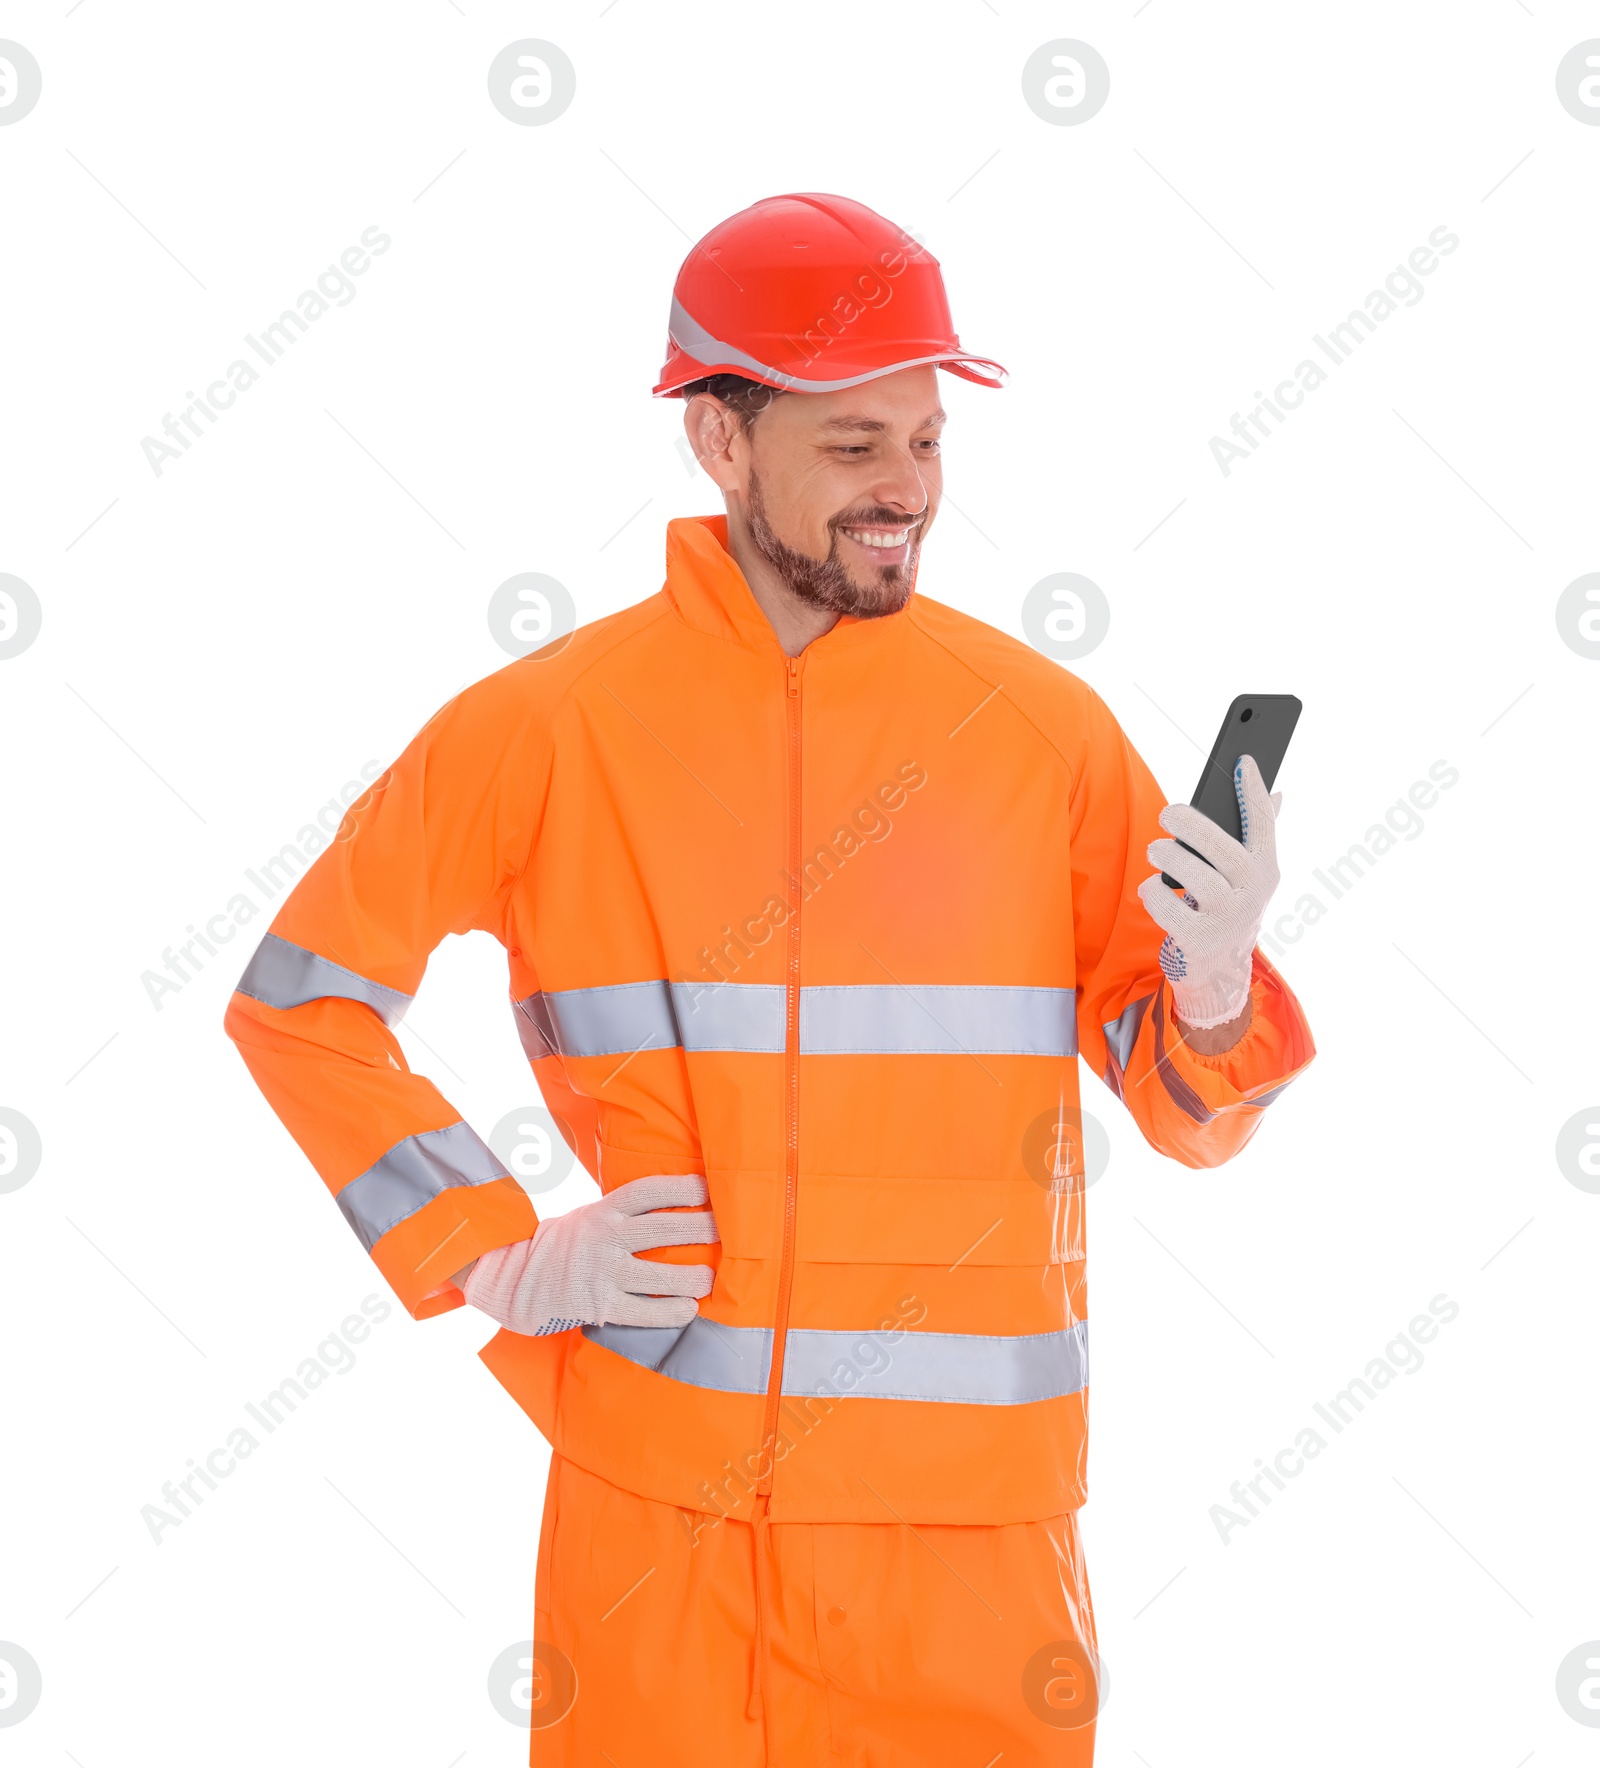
{"x": 811, "y": 294}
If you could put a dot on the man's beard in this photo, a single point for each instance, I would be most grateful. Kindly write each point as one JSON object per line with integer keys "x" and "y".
{"x": 827, "y": 583}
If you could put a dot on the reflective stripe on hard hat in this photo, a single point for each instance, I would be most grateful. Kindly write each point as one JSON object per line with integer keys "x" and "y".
{"x": 411, "y": 1175}
{"x": 864, "y": 1019}
{"x": 284, "y": 975}
{"x": 952, "y": 1368}
{"x": 684, "y": 330}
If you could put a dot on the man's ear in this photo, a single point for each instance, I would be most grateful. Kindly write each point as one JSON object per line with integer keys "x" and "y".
{"x": 714, "y": 434}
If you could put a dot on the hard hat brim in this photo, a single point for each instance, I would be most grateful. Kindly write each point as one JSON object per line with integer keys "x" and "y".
{"x": 684, "y": 369}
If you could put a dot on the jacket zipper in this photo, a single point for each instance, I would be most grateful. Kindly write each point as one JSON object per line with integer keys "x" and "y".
{"x": 791, "y": 1087}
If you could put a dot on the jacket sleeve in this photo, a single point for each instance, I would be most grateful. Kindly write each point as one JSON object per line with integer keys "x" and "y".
{"x": 1200, "y": 1110}
{"x": 433, "y": 848}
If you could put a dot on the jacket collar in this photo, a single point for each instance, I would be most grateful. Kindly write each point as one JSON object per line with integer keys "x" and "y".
{"x": 709, "y": 591}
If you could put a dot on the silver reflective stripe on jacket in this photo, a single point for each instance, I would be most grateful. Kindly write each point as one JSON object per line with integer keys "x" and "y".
{"x": 919, "y": 1019}
{"x": 626, "y": 1017}
{"x": 601, "y": 1021}
{"x": 411, "y": 1175}
{"x": 748, "y": 1016}
{"x": 925, "y": 1020}
{"x": 731, "y": 1359}
{"x": 284, "y": 975}
{"x": 952, "y": 1368}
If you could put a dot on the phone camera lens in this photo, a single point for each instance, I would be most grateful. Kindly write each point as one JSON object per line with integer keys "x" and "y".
{"x": 1245, "y": 716}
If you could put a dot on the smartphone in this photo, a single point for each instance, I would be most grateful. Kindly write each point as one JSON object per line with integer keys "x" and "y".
{"x": 1258, "y": 725}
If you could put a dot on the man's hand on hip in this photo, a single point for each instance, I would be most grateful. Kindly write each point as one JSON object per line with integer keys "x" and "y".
{"x": 1211, "y": 926}
{"x": 579, "y": 1269}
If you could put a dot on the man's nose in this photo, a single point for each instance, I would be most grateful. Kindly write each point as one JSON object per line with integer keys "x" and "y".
{"x": 901, "y": 485}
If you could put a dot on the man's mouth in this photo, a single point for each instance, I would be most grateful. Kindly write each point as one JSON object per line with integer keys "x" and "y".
{"x": 879, "y": 536}
{"x": 887, "y": 545}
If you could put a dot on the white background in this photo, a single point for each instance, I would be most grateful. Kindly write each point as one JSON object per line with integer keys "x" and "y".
{"x": 226, "y": 644}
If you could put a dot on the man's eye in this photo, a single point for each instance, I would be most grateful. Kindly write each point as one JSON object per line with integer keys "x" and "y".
{"x": 851, "y": 448}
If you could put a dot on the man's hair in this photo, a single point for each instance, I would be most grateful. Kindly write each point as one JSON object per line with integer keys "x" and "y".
{"x": 746, "y": 399}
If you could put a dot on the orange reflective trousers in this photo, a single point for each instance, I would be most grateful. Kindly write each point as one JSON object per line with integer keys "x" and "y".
{"x": 666, "y": 1638}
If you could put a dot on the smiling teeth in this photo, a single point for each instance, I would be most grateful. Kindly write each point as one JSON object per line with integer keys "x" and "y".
{"x": 876, "y": 537}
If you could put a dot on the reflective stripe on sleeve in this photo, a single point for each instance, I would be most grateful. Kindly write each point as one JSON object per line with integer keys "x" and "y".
{"x": 1179, "y": 1091}
{"x": 283, "y": 975}
{"x": 411, "y": 1175}
{"x": 1123, "y": 1032}
{"x": 951, "y": 1368}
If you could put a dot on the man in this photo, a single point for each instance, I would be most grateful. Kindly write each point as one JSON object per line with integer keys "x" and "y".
{"x": 812, "y": 891}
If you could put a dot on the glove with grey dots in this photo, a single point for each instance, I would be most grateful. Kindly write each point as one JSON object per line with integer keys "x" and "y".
{"x": 1212, "y": 924}
{"x": 579, "y": 1269}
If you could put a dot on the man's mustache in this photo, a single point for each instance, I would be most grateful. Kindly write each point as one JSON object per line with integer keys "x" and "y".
{"x": 876, "y": 516}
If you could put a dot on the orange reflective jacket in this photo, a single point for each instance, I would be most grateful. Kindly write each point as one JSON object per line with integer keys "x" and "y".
{"x": 831, "y": 930}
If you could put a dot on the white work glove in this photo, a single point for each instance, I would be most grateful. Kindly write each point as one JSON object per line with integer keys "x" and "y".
{"x": 579, "y": 1268}
{"x": 1211, "y": 927}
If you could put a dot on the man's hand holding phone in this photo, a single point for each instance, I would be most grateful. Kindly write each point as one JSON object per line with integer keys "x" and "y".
{"x": 1212, "y": 924}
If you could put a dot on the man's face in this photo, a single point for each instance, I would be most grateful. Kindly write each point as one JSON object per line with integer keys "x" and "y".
{"x": 841, "y": 488}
